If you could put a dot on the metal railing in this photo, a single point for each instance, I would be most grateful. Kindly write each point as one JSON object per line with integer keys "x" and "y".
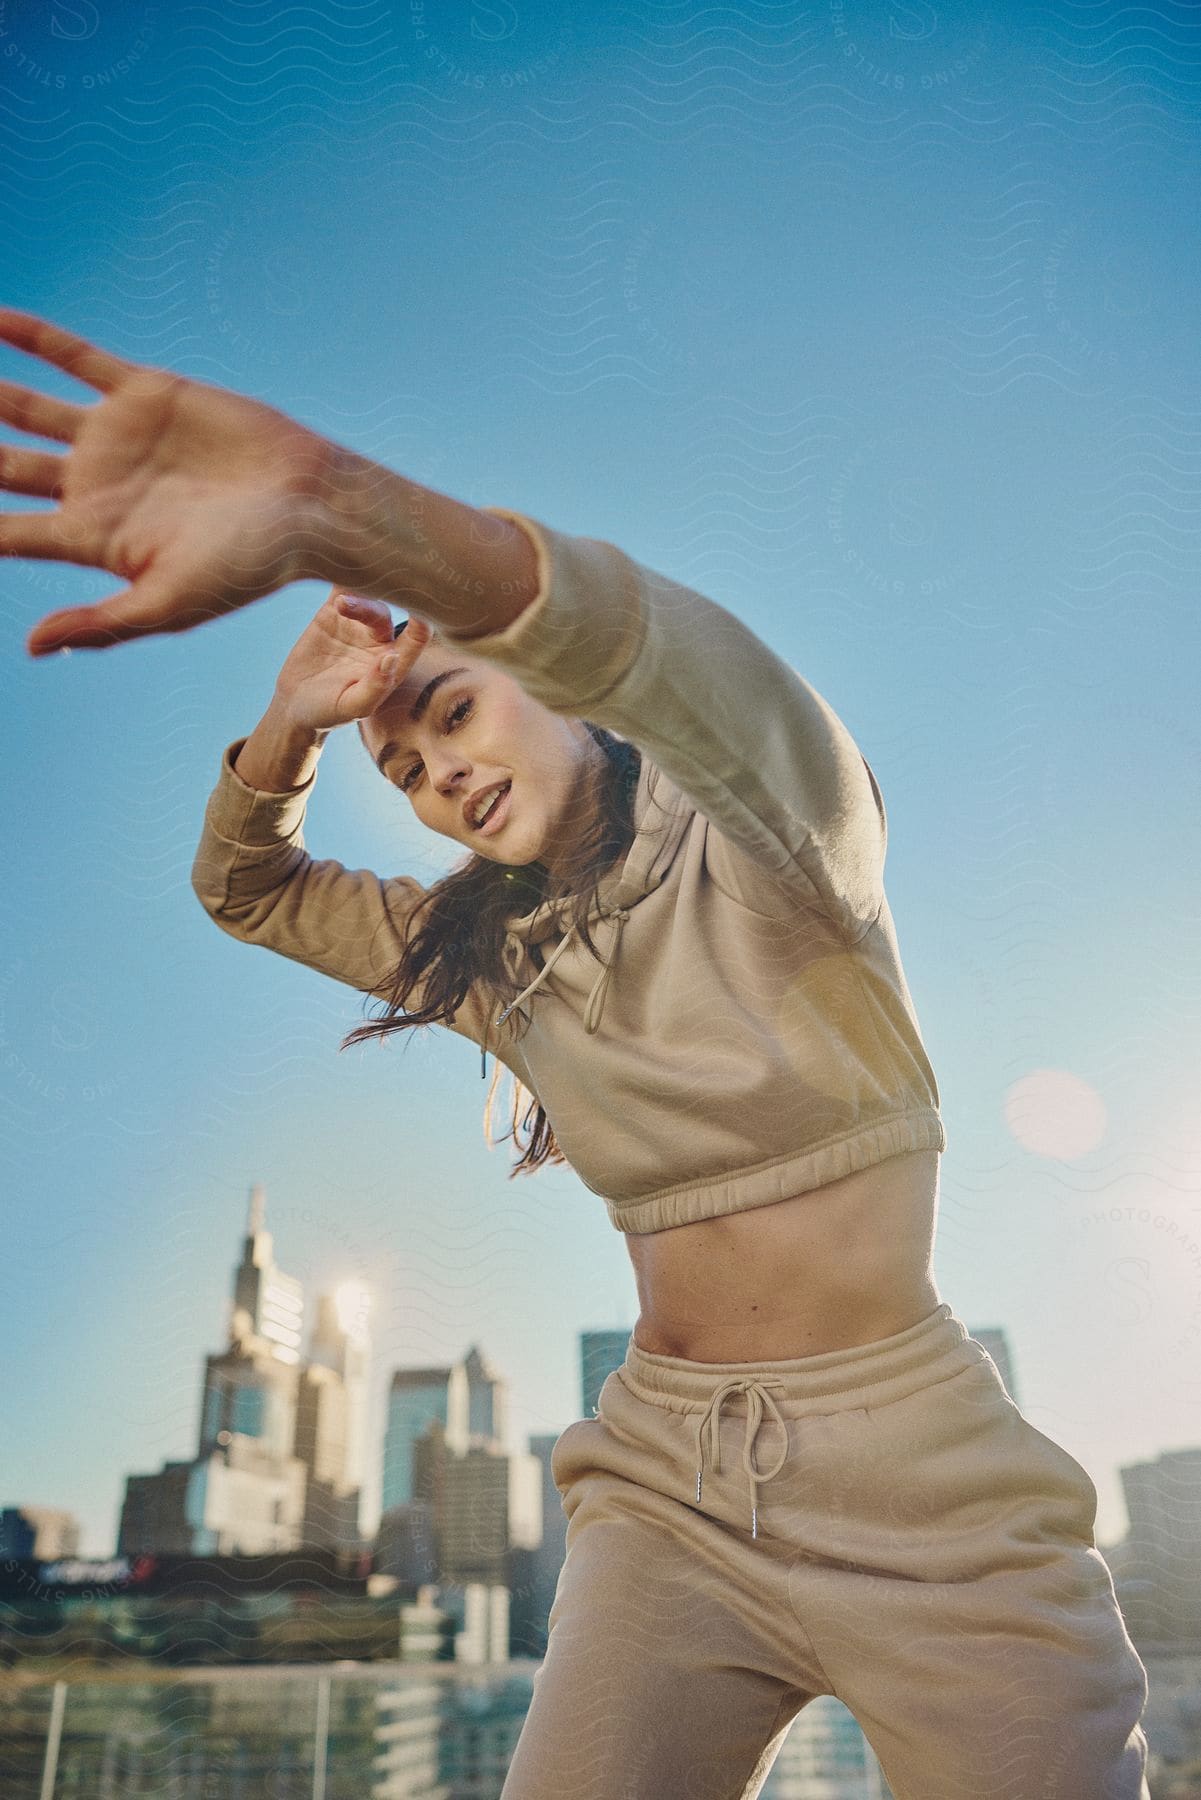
{"x": 366, "y": 1731}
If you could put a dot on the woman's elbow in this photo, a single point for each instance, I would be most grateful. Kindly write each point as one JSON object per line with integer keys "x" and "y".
{"x": 210, "y": 883}
{"x": 240, "y": 917}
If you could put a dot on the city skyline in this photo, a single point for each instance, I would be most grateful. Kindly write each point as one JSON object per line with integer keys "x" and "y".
{"x": 470, "y": 1544}
{"x": 268, "y": 1305}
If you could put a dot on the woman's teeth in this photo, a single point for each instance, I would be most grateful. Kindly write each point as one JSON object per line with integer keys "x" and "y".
{"x": 487, "y": 802}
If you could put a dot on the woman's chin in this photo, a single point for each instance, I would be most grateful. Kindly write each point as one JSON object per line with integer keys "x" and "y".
{"x": 513, "y": 856}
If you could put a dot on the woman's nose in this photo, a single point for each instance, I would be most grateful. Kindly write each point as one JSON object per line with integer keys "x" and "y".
{"x": 449, "y": 773}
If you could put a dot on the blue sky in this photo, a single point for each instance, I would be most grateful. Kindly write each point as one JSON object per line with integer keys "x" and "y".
{"x": 879, "y": 325}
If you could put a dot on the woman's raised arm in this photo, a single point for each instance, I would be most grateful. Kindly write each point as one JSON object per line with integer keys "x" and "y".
{"x": 344, "y": 664}
{"x": 252, "y": 872}
{"x": 752, "y": 744}
{"x": 204, "y": 501}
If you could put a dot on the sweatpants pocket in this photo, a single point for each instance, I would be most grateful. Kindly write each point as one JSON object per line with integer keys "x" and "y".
{"x": 562, "y": 1472}
{"x": 1069, "y": 1470}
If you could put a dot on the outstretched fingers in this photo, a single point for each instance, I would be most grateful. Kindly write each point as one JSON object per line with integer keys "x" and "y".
{"x": 32, "y": 472}
{"x": 372, "y": 613}
{"x": 42, "y": 535}
{"x": 416, "y": 635}
{"x": 149, "y": 606}
{"x": 75, "y": 628}
{"x": 65, "y": 349}
{"x": 38, "y": 413}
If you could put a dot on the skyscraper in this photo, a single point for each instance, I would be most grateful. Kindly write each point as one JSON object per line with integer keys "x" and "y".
{"x": 250, "y": 1386}
{"x": 600, "y": 1353}
{"x": 247, "y": 1393}
{"x": 247, "y": 1488}
{"x": 531, "y": 1607}
{"x": 491, "y": 1503}
{"x": 1160, "y": 1585}
{"x": 44, "y": 1532}
{"x": 486, "y": 1400}
{"x": 416, "y": 1399}
{"x": 280, "y": 1443}
{"x": 341, "y": 1342}
{"x": 331, "y": 1418}
{"x": 267, "y": 1303}
{"x": 453, "y": 1492}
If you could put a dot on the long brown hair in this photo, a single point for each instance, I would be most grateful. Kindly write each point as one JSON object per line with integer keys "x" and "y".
{"x": 457, "y": 937}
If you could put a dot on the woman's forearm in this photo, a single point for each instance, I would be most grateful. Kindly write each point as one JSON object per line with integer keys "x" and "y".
{"x": 232, "y": 500}
{"x": 279, "y": 755}
{"x": 377, "y": 533}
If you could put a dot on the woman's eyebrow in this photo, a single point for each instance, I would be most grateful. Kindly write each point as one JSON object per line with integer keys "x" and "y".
{"x": 417, "y": 711}
{"x": 428, "y": 691}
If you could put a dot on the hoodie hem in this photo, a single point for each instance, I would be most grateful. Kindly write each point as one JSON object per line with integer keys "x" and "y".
{"x": 783, "y": 1178}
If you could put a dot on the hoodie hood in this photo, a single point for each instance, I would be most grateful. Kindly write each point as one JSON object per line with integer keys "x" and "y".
{"x": 660, "y": 820}
{"x": 661, "y": 816}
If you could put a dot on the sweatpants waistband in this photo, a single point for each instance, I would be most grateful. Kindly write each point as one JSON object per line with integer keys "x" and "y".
{"x": 864, "y": 1375}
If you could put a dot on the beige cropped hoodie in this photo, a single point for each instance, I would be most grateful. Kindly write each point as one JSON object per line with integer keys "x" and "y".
{"x": 749, "y": 1034}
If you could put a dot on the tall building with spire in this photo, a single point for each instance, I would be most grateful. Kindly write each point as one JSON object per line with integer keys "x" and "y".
{"x": 250, "y": 1386}
{"x": 267, "y": 1304}
{"x": 280, "y": 1441}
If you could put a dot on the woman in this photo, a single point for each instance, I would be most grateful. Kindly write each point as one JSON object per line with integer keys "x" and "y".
{"x": 672, "y": 929}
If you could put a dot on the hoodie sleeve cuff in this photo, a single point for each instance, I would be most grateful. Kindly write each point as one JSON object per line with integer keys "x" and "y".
{"x": 245, "y": 815}
{"x": 578, "y": 637}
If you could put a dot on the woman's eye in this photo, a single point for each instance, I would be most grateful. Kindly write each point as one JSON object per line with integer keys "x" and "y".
{"x": 458, "y": 714}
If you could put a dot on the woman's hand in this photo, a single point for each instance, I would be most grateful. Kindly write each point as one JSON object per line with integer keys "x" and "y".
{"x": 335, "y": 672}
{"x": 345, "y": 663}
{"x": 204, "y": 501}
{"x": 201, "y": 499}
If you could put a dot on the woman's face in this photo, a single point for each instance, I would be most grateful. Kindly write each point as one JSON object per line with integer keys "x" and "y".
{"x": 456, "y": 730}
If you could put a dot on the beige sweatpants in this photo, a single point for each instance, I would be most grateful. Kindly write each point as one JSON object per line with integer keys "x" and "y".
{"x": 882, "y": 1524}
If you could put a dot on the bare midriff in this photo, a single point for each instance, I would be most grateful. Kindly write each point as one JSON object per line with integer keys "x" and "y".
{"x": 830, "y": 1269}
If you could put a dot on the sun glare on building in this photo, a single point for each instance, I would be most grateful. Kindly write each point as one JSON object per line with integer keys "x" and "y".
{"x": 352, "y": 1301}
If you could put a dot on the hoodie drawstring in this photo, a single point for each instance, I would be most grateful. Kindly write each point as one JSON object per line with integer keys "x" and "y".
{"x": 596, "y": 1000}
{"x": 539, "y": 978}
{"x": 710, "y": 1421}
{"x": 600, "y": 987}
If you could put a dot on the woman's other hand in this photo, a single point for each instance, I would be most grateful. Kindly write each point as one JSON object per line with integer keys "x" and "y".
{"x": 201, "y": 499}
{"x": 346, "y": 663}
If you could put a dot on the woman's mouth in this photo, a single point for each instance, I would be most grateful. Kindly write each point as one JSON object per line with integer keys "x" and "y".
{"x": 493, "y": 809}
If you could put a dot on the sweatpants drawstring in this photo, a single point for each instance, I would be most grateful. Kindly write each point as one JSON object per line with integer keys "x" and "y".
{"x": 709, "y": 1421}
